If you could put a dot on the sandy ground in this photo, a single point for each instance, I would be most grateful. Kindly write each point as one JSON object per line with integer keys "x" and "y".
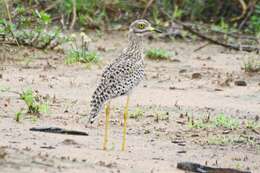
{"x": 157, "y": 139}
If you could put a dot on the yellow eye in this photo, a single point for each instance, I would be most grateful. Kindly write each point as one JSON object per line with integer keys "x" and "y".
{"x": 140, "y": 26}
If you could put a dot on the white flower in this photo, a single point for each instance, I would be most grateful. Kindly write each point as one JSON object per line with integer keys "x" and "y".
{"x": 82, "y": 34}
{"x": 73, "y": 36}
{"x": 87, "y": 39}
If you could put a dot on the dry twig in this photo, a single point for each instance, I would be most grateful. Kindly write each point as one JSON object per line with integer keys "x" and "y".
{"x": 10, "y": 20}
{"x": 244, "y": 9}
{"x": 231, "y": 46}
{"x": 74, "y": 14}
{"x": 251, "y": 8}
{"x": 147, "y": 7}
{"x": 194, "y": 167}
{"x": 58, "y": 130}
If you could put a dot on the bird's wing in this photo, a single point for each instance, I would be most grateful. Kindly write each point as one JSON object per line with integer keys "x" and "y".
{"x": 118, "y": 70}
{"x": 122, "y": 68}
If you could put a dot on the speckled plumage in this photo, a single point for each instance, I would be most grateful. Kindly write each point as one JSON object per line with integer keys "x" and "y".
{"x": 123, "y": 74}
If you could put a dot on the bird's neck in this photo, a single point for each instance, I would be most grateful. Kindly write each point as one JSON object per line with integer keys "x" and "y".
{"x": 135, "y": 43}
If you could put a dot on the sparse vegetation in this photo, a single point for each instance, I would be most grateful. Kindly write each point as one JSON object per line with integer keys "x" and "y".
{"x": 159, "y": 54}
{"x": 34, "y": 102}
{"x": 225, "y": 121}
{"x": 254, "y": 24}
{"x": 161, "y": 116}
{"x": 18, "y": 116}
{"x": 82, "y": 57}
{"x": 33, "y": 32}
{"x": 198, "y": 124}
{"x": 80, "y": 53}
{"x": 231, "y": 140}
{"x": 252, "y": 124}
{"x": 137, "y": 113}
{"x": 219, "y": 140}
{"x": 175, "y": 115}
{"x": 251, "y": 65}
{"x": 220, "y": 120}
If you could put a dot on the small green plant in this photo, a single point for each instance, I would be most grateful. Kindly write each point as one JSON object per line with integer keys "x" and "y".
{"x": 80, "y": 53}
{"x": 197, "y": 124}
{"x": 43, "y": 17}
{"x": 231, "y": 139}
{"x": 157, "y": 53}
{"x": 161, "y": 116}
{"x": 201, "y": 123}
{"x": 251, "y": 65}
{"x": 223, "y": 25}
{"x": 220, "y": 120}
{"x": 225, "y": 121}
{"x": 35, "y": 104}
{"x": 251, "y": 124}
{"x": 137, "y": 113}
{"x": 18, "y": 116}
{"x": 82, "y": 57}
{"x": 177, "y": 13}
{"x": 254, "y": 24}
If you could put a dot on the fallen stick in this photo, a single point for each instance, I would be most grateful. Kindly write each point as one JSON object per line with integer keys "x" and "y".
{"x": 194, "y": 167}
{"x": 146, "y": 8}
{"x": 209, "y": 39}
{"x": 231, "y": 46}
{"x": 58, "y": 130}
{"x": 74, "y": 14}
{"x": 201, "y": 47}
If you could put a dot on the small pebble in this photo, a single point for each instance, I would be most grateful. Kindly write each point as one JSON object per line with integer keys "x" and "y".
{"x": 172, "y": 87}
{"x": 196, "y": 76}
{"x": 183, "y": 71}
{"x": 240, "y": 83}
{"x": 175, "y": 60}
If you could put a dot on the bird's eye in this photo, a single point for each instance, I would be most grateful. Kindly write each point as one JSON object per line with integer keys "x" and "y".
{"x": 141, "y": 26}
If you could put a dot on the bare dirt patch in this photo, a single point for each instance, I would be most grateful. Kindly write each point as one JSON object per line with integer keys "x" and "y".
{"x": 172, "y": 112}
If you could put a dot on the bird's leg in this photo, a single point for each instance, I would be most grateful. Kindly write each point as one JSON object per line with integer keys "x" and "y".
{"x": 125, "y": 121}
{"x": 107, "y": 110}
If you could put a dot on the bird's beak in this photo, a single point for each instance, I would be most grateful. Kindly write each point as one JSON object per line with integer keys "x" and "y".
{"x": 154, "y": 30}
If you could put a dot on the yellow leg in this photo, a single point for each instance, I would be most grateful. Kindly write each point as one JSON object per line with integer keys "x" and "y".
{"x": 107, "y": 110}
{"x": 125, "y": 120}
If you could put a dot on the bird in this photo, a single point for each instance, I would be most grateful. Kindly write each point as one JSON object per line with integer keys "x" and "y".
{"x": 121, "y": 76}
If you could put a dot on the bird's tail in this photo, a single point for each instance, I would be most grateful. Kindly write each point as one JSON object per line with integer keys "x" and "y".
{"x": 97, "y": 102}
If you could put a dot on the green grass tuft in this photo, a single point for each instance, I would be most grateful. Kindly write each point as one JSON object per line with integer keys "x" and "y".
{"x": 18, "y": 116}
{"x": 157, "y": 53}
{"x": 161, "y": 116}
{"x": 252, "y": 124}
{"x": 137, "y": 113}
{"x": 35, "y": 105}
{"x": 221, "y": 120}
{"x": 75, "y": 56}
{"x": 232, "y": 140}
{"x": 33, "y": 102}
{"x": 225, "y": 121}
{"x": 198, "y": 124}
{"x": 251, "y": 65}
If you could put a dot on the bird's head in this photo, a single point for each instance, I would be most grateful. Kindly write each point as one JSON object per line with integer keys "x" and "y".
{"x": 141, "y": 27}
